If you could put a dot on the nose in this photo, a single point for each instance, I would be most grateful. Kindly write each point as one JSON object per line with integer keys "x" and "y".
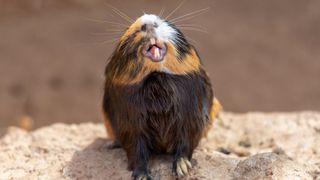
{"x": 148, "y": 28}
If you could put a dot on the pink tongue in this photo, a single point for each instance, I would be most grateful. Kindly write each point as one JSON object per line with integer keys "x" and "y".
{"x": 155, "y": 53}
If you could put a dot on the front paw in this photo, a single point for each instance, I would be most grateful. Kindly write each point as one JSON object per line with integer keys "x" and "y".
{"x": 182, "y": 166}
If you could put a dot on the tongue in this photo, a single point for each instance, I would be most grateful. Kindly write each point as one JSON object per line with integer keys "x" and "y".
{"x": 155, "y": 53}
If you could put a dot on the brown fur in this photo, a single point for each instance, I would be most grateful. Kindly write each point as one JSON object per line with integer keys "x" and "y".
{"x": 215, "y": 111}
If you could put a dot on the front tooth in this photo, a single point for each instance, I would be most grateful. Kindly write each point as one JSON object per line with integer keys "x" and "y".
{"x": 157, "y": 53}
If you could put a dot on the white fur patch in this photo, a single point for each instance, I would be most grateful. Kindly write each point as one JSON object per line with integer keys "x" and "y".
{"x": 150, "y": 18}
{"x": 164, "y": 32}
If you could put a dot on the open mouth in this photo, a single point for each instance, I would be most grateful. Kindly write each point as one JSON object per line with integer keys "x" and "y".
{"x": 155, "y": 50}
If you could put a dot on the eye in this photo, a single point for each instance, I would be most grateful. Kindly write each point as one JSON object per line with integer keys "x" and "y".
{"x": 144, "y": 27}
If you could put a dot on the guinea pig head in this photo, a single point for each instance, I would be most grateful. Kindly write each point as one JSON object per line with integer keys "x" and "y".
{"x": 153, "y": 44}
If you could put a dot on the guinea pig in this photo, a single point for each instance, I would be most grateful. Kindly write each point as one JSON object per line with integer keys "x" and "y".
{"x": 157, "y": 97}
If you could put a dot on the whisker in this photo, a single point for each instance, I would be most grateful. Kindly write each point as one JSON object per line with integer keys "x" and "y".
{"x": 107, "y": 41}
{"x": 106, "y": 33}
{"x": 96, "y": 43}
{"x": 111, "y": 31}
{"x": 120, "y": 13}
{"x": 123, "y": 16}
{"x": 189, "y": 15}
{"x": 172, "y": 12}
{"x": 188, "y": 38}
{"x": 194, "y": 29}
{"x": 191, "y": 40}
{"x": 105, "y": 21}
{"x": 161, "y": 12}
{"x": 114, "y": 30}
{"x": 193, "y": 26}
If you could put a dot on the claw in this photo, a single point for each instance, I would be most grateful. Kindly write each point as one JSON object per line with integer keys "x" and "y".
{"x": 179, "y": 171}
{"x": 183, "y": 166}
{"x": 188, "y": 163}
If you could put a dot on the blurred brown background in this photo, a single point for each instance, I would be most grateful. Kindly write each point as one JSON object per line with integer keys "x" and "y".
{"x": 261, "y": 55}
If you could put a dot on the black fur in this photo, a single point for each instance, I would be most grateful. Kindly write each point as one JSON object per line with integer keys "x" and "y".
{"x": 181, "y": 43}
{"x": 162, "y": 114}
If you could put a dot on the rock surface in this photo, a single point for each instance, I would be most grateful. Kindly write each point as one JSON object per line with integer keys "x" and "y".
{"x": 240, "y": 146}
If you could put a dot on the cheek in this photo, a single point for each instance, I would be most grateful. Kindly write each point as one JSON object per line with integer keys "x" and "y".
{"x": 171, "y": 51}
{"x": 139, "y": 36}
{"x": 139, "y": 40}
{"x": 190, "y": 63}
{"x": 171, "y": 56}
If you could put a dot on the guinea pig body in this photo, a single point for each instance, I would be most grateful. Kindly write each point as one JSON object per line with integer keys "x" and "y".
{"x": 157, "y": 97}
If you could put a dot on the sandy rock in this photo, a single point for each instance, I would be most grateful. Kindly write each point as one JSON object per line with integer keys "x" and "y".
{"x": 269, "y": 166}
{"x": 240, "y": 146}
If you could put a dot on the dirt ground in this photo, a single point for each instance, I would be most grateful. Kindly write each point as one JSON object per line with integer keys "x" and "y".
{"x": 261, "y": 55}
{"x": 240, "y": 146}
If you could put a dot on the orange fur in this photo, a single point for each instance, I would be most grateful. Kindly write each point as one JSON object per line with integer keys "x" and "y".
{"x": 189, "y": 64}
{"x": 134, "y": 27}
{"x": 108, "y": 126}
{"x": 214, "y": 114}
{"x": 138, "y": 37}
